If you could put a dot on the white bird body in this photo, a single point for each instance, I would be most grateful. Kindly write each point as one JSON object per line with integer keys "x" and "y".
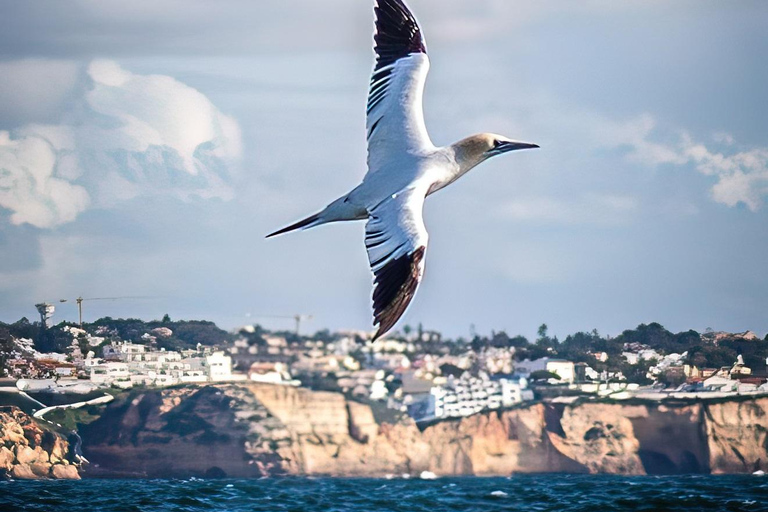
{"x": 404, "y": 166}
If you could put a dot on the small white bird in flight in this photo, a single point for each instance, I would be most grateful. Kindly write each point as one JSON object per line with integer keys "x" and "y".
{"x": 404, "y": 167}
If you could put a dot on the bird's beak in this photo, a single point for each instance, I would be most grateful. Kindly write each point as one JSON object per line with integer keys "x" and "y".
{"x": 509, "y": 145}
{"x": 513, "y": 145}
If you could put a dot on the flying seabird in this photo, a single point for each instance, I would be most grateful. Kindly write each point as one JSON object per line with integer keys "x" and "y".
{"x": 404, "y": 166}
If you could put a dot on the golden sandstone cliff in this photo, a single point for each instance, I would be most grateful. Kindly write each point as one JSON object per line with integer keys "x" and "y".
{"x": 29, "y": 452}
{"x": 257, "y": 430}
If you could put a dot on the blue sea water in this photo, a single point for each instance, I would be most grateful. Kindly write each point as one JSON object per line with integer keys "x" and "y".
{"x": 530, "y": 493}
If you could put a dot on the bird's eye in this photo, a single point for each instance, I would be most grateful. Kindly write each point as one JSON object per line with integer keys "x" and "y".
{"x": 496, "y": 144}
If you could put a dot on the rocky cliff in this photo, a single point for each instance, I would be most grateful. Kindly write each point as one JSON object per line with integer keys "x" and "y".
{"x": 256, "y": 430}
{"x": 29, "y": 452}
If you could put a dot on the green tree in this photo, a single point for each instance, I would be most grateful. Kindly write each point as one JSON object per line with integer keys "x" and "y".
{"x": 6, "y": 345}
{"x": 658, "y": 338}
{"x": 499, "y": 339}
{"x": 324, "y": 335}
{"x": 544, "y": 343}
{"x": 518, "y": 341}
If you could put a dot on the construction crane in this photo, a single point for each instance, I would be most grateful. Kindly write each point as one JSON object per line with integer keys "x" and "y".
{"x": 298, "y": 318}
{"x": 80, "y": 301}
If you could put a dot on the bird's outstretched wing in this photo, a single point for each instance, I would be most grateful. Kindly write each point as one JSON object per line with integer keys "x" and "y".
{"x": 395, "y": 118}
{"x": 396, "y": 241}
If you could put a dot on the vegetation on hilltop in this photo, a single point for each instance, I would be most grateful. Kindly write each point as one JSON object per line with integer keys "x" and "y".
{"x": 581, "y": 347}
{"x": 6, "y": 346}
{"x": 185, "y": 333}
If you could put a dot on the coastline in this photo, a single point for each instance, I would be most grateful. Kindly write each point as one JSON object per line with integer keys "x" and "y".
{"x": 266, "y": 430}
{"x": 261, "y": 430}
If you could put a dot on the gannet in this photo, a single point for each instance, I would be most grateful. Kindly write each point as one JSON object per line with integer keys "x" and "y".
{"x": 404, "y": 166}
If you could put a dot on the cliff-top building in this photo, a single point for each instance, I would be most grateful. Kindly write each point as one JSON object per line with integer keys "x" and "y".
{"x": 562, "y": 368}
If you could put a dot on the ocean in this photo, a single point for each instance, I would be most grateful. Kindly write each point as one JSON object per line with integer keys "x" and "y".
{"x": 529, "y": 493}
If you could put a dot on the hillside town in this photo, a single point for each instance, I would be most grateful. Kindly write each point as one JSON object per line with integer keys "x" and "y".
{"x": 414, "y": 372}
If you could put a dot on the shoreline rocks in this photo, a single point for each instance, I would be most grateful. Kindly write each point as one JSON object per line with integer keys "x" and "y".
{"x": 28, "y": 452}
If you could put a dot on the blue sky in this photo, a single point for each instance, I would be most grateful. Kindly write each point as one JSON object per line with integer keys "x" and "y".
{"x": 147, "y": 147}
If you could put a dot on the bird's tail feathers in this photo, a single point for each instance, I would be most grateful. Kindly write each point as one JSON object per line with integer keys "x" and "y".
{"x": 311, "y": 221}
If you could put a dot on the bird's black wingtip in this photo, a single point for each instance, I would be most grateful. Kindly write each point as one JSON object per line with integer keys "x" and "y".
{"x": 397, "y": 33}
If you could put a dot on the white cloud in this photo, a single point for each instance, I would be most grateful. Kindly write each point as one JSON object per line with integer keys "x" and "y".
{"x": 128, "y": 135}
{"x": 157, "y": 110}
{"x": 29, "y": 188}
{"x": 742, "y": 176}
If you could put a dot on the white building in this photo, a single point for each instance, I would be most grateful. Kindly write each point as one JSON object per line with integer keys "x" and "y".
{"x": 169, "y": 358}
{"x": 131, "y": 351}
{"x": 666, "y": 362}
{"x": 271, "y": 373}
{"x": 141, "y": 366}
{"x": 111, "y": 374}
{"x": 379, "y": 390}
{"x": 163, "y": 378}
{"x": 564, "y": 369}
{"x": 514, "y": 391}
{"x": 717, "y": 383}
{"x": 193, "y": 369}
{"x": 470, "y": 395}
{"x": 220, "y": 368}
{"x": 645, "y": 354}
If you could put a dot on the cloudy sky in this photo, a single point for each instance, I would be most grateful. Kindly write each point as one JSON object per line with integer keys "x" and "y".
{"x": 146, "y": 148}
